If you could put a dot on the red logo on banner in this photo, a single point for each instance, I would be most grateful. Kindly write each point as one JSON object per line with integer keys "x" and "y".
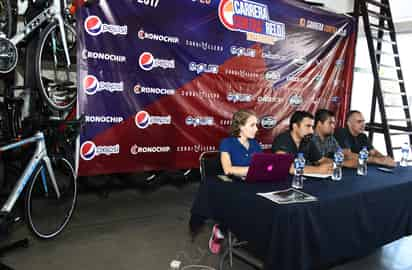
{"x": 142, "y": 119}
{"x": 88, "y": 150}
{"x": 226, "y": 12}
{"x": 93, "y": 25}
{"x": 146, "y": 61}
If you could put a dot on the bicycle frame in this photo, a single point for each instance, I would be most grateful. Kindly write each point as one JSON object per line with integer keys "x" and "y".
{"x": 40, "y": 155}
{"x": 55, "y": 11}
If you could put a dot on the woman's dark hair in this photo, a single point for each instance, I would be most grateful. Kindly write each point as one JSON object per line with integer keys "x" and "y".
{"x": 239, "y": 119}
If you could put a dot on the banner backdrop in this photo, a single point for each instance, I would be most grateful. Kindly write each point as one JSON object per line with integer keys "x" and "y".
{"x": 159, "y": 80}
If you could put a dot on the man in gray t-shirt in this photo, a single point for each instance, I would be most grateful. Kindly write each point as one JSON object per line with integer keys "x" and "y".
{"x": 324, "y": 139}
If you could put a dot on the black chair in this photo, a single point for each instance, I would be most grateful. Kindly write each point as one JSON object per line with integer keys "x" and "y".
{"x": 210, "y": 165}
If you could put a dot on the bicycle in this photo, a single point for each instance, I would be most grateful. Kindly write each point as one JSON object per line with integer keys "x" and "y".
{"x": 51, "y": 193}
{"x": 54, "y": 63}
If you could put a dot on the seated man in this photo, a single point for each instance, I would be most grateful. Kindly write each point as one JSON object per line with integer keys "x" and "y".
{"x": 298, "y": 139}
{"x": 352, "y": 138}
{"x": 325, "y": 141}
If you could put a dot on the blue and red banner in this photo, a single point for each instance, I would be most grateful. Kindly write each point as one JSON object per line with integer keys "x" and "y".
{"x": 159, "y": 80}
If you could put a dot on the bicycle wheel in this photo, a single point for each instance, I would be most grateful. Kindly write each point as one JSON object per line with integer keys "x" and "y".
{"x": 6, "y": 17}
{"x": 56, "y": 79}
{"x": 46, "y": 214}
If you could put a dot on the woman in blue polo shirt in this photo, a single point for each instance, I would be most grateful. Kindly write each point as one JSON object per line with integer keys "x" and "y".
{"x": 235, "y": 154}
{"x": 237, "y": 150}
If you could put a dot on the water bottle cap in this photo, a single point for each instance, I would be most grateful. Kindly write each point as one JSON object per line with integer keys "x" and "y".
{"x": 300, "y": 155}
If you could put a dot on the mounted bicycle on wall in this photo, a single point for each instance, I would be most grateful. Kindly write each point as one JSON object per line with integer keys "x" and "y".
{"x": 55, "y": 56}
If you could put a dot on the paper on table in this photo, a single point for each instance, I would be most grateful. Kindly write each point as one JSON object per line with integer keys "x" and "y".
{"x": 288, "y": 196}
{"x": 317, "y": 175}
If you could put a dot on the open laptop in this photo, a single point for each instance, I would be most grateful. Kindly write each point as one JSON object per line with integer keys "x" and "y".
{"x": 267, "y": 167}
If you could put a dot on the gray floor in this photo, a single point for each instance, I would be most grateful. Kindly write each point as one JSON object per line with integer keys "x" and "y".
{"x": 135, "y": 230}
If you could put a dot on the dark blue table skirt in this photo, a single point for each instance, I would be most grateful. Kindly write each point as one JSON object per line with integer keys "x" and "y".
{"x": 351, "y": 217}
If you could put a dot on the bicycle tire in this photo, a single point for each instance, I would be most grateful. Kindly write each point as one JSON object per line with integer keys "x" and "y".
{"x": 6, "y": 18}
{"x": 53, "y": 83}
{"x": 43, "y": 219}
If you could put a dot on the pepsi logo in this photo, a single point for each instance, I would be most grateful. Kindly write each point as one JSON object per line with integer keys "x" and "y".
{"x": 146, "y": 61}
{"x": 88, "y": 150}
{"x": 90, "y": 84}
{"x": 142, "y": 119}
{"x": 226, "y": 13}
{"x": 93, "y": 25}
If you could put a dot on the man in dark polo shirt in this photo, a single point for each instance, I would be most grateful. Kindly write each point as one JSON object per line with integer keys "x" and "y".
{"x": 326, "y": 142}
{"x": 298, "y": 139}
{"x": 352, "y": 138}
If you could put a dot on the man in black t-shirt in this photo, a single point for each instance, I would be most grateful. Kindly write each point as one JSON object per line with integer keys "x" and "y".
{"x": 298, "y": 139}
{"x": 352, "y": 138}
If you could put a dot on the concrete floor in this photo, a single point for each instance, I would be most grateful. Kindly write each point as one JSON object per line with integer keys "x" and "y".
{"x": 135, "y": 230}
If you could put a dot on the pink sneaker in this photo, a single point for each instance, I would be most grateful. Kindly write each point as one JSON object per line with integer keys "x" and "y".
{"x": 215, "y": 240}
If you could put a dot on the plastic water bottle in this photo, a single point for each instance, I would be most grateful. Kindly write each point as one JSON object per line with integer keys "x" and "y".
{"x": 299, "y": 164}
{"x": 405, "y": 155}
{"x": 362, "y": 161}
{"x": 337, "y": 165}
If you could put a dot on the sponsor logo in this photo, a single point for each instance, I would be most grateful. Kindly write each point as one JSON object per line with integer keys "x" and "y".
{"x": 241, "y": 51}
{"x": 199, "y": 121}
{"x": 195, "y": 148}
{"x": 335, "y": 99}
{"x": 339, "y": 63}
{"x": 295, "y": 100}
{"x": 269, "y": 99}
{"x": 148, "y": 62}
{"x": 268, "y": 122}
{"x": 242, "y": 73}
{"x": 94, "y": 27}
{"x": 143, "y": 119}
{"x": 91, "y": 85}
{"x": 157, "y": 37}
{"x": 249, "y": 17}
{"x": 88, "y": 150}
{"x": 296, "y": 79}
{"x": 135, "y": 149}
{"x": 272, "y": 75}
{"x": 103, "y": 56}
{"x": 138, "y": 89}
{"x": 237, "y": 97}
{"x": 203, "y": 68}
{"x": 205, "y": 94}
{"x": 299, "y": 61}
{"x": 225, "y": 122}
{"x": 273, "y": 56}
{"x": 204, "y": 45}
{"x": 318, "y": 26}
{"x": 103, "y": 119}
{"x": 149, "y": 3}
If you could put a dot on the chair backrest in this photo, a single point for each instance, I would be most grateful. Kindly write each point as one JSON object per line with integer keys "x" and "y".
{"x": 210, "y": 164}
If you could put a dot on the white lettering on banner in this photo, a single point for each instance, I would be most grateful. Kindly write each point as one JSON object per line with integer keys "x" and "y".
{"x": 138, "y": 89}
{"x": 269, "y": 99}
{"x": 107, "y": 149}
{"x": 195, "y": 148}
{"x": 201, "y": 67}
{"x": 103, "y": 56}
{"x": 103, "y": 119}
{"x": 251, "y": 10}
{"x": 134, "y": 150}
{"x": 204, "y": 45}
{"x": 157, "y": 37}
{"x": 115, "y": 29}
{"x": 150, "y": 3}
